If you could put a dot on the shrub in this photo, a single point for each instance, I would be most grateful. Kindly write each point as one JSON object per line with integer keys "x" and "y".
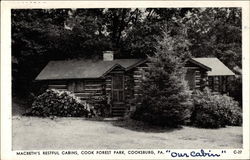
{"x": 60, "y": 103}
{"x": 163, "y": 90}
{"x": 215, "y": 110}
{"x": 100, "y": 105}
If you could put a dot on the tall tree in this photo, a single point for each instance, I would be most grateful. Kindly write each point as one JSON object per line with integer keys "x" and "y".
{"x": 215, "y": 32}
{"x": 163, "y": 89}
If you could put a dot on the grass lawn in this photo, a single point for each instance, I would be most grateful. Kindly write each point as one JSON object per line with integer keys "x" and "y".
{"x": 77, "y": 133}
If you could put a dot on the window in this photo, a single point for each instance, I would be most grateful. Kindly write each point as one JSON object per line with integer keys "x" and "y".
{"x": 79, "y": 86}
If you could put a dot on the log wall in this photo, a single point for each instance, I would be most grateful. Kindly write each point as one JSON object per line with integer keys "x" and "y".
{"x": 218, "y": 83}
{"x": 88, "y": 89}
{"x": 58, "y": 84}
{"x": 204, "y": 79}
{"x": 138, "y": 74}
{"x": 84, "y": 89}
{"x": 197, "y": 79}
{"x": 200, "y": 77}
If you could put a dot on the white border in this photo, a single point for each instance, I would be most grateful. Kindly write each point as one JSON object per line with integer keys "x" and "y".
{"x": 6, "y": 6}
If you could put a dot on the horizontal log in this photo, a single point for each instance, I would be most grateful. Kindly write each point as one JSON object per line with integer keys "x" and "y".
{"x": 137, "y": 76}
{"x": 93, "y": 89}
{"x": 137, "y": 72}
{"x": 93, "y": 97}
{"x": 93, "y": 85}
{"x": 86, "y": 82}
{"x": 137, "y": 84}
{"x": 137, "y": 94}
{"x": 118, "y": 108}
{"x": 108, "y": 86}
{"x": 136, "y": 80}
{"x": 58, "y": 86}
{"x": 92, "y": 100}
{"x": 89, "y": 91}
{"x": 87, "y": 94}
{"x": 94, "y": 92}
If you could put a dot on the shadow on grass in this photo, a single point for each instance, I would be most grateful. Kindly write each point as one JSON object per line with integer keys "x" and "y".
{"x": 142, "y": 127}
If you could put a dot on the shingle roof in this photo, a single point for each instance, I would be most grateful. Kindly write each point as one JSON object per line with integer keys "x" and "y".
{"x": 76, "y": 69}
{"x": 218, "y": 68}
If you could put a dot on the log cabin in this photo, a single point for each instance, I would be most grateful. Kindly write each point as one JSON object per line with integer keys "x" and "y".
{"x": 118, "y": 80}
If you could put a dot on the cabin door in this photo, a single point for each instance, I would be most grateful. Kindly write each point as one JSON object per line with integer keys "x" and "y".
{"x": 118, "y": 88}
{"x": 118, "y": 107}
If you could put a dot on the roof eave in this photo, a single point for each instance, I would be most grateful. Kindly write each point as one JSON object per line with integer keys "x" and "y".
{"x": 136, "y": 64}
{"x": 215, "y": 75}
{"x": 200, "y": 64}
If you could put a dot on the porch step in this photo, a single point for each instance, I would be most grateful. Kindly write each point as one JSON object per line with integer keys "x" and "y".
{"x": 118, "y": 114}
{"x": 118, "y": 111}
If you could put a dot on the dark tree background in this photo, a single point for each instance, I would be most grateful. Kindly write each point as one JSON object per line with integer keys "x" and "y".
{"x": 41, "y": 35}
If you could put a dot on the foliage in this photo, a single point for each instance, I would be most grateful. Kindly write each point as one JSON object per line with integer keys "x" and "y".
{"x": 215, "y": 110}
{"x": 60, "y": 103}
{"x": 101, "y": 106}
{"x": 42, "y": 35}
{"x": 235, "y": 89}
{"x": 163, "y": 89}
{"x": 215, "y": 32}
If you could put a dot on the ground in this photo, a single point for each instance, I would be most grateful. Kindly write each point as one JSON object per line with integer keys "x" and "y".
{"x": 78, "y": 133}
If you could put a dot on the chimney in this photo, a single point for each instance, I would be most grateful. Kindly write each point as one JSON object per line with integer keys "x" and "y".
{"x": 108, "y": 55}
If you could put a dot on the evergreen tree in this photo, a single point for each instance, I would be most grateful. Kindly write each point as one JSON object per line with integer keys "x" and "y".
{"x": 163, "y": 89}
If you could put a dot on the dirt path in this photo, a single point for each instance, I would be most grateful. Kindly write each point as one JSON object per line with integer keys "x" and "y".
{"x": 76, "y": 133}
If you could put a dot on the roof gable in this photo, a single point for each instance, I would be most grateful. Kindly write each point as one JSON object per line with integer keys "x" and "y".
{"x": 112, "y": 68}
{"x": 197, "y": 63}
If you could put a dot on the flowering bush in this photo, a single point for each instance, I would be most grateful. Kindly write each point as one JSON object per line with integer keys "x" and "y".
{"x": 215, "y": 110}
{"x": 60, "y": 103}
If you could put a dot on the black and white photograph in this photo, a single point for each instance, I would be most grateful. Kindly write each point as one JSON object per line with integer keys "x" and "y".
{"x": 126, "y": 78}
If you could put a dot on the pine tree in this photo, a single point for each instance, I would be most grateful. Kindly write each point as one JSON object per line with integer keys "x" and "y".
{"x": 163, "y": 87}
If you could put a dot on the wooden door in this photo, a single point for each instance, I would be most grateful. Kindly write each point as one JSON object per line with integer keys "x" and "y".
{"x": 118, "y": 88}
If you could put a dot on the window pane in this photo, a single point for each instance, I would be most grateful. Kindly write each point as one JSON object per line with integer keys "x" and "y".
{"x": 115, "y": 96}
{"x": 79, "y": 86}
{"x": 120, "y": 96}
{"x": 118, "y": 82}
